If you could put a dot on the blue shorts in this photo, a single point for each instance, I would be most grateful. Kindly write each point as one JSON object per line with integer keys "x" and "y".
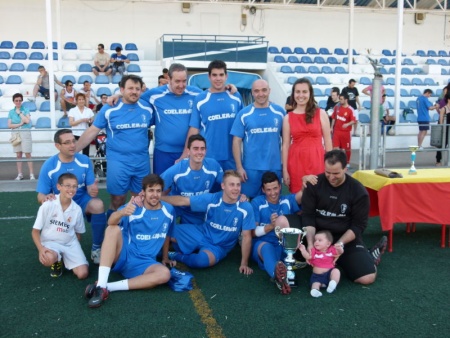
{"x": 252, "y": 187}
{"x": 129, "y": 265}
{"x": 424, "y": 125}
{"x": 123, "y": 177}
{"x": 279, "y": 253}
{"x": 191, "y": 239}
{"x": 83, "y": 202}
{"x": 322, "y": 278}
{"x": 162, "y": 161}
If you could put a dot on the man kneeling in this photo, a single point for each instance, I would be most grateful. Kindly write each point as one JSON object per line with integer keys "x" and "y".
{"x": 133, "y": 238}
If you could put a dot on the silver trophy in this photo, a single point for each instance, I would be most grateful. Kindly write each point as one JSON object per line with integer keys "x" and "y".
{"x": 290, "y": 239}
{"x": 412, "y": 170}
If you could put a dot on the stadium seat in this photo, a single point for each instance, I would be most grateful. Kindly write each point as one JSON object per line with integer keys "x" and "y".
{"x": 327, "y": 92}
{"x": 432, "y": 53}
{"x": 327, "y": 70}
{"x": 435, "y": 117}
{"x": 310, "y": 79}
{"x": 411, "y": 118}
{"x": 14, "y": 79}
{"x": 383, "y": 71}
{"x": 3, "y": 67}
{"x": 114, "y": 45}
{"x": 299, "y": 50}
{"x": 36, "y": 56}
{"x": 317, "y": 92}
{"x": 389, "y": 92}
{"x": 332, "y": 60}
{"x": 408, "y": 61}
{"x": 286, "y": 50}
{"x": 386, "y": 52}
{"x": 291, "y": 80}
{"x": 444, "y": 72}
{"x": 85, "y": 56}
{"x": 390, "y": 81}
{"x": 311, "y": 50}
{"x": 286, "y": 69}
{"x": 319, "y": 60}
{"x": 300, "y": 69}
{"x": 385, "y": 61}
{"x": 38, "y": 45}
{"x": 63, "y": 122}
{"x": 321, "y": 80}
{"x": 417, "y": 71}
{"x": 405, "y": 81}
{"x": 345, "y": 60}
{"x": 306, "y": 59}
{"x": 130, "y": 46}
{"x": 293, "y": 59}
{"x": 19, "y": 56}
{"x": 17, "y": 67}
{"x": 83, "y": 78}
{"x": 279, "y": 59}
{"x": 420, "y": 53}
{"x": 403, "y": 92}
{"x": 324, "y": 51}
{"x": 366, "y": 104}
{"x": 22, "y": 45}
{"x": 5, "y": 55}
{"x": 438, "y": 92}
{"x": 100, "y": 79}
{"x": 365, "y": 81}
{"x": 363, "y": 118}
{"x": 103, "y": 90}
{"x": 68, "y": 77}
{"x": 313, "y": 70}
{"x": 86, "y": 46}
{"x": 429, "y": 82}
{"x": 1, "y": 80}
{"x": 273, "y": 50}
{"x": 116, "y": 78}
{"x": 43, "y": 122}
{"x": 442, "y": 62}
{"x": 412, "y": 104}
{"x": 6, "y": 45}
{"x": 416, "y": 81}
{"x": 340, "y": 70}
{"x": 69, "y": 67}
{"x": 45, "y": 106}
{"x": 354, "y": 52}
{"x": 70, "y": 56}
{"x": 4, "y": 123}
{"x": 322, "y": 104}
{"x": 33, "y": 67}
{"x": 133, "y": 57}
{"x": 415, "y": 92}
{"x": 70, "y": 45}
{"x": 133, "y": 68}
{"x": 339, "y": 51}
{"x": 431, "y": 62}
{"x": 55, "y": 56}
{"x": 406, "y": 71}
{"x": 30, "y": 105}
{"x": 55, "y": 45}
{"x": 85, "y": 68}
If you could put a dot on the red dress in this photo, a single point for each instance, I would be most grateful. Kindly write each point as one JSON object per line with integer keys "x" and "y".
{"x": 306, "y": 152}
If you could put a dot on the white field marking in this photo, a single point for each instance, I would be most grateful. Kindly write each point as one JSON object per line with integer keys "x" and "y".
{"x": 12, "y": 218}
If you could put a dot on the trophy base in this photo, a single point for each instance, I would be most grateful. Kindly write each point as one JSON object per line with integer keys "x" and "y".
{"x": 412, "y": 172}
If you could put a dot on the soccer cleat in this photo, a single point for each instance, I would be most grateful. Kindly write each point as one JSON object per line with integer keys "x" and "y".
{"x": 281, "y": 278}
{"x": 98, "y": 295}
{"x": 378, "y": 250}
{"x": 95, "y": 256}
{"x": 56, "y": 269}
{"x": 89, "y": 291}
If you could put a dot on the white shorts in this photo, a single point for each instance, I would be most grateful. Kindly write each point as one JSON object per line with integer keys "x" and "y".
{"x": 72, "y": 254}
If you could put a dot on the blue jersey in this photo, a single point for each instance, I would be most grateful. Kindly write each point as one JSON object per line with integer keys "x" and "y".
{"x": 126, "y": 128}
{"x": 263, "y": 210}
{"x": 81, "y": 167}
{"x": 171, "y": 117}
{"x": 224, "y": 222}
{"x": 213, "y": 115}
{"x": 423, "y": 105}
{"x": 260, "y": 131}
{"x": 145, "y": 231}
{"x": 187, "y": 182}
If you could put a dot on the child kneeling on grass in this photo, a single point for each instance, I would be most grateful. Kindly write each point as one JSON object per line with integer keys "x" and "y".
{"x": 323, "y": 260}
{"x": 58, "y": 228}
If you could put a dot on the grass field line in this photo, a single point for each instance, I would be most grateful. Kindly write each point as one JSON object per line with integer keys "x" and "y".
{"x": 213, "y": 329}
{"x": 12, "y": 218}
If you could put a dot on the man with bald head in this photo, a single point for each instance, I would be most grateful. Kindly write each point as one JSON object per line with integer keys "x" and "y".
{"x": 257, "y": 130}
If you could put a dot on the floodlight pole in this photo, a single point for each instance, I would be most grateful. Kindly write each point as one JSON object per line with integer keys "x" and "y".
{"x": 375, "y": 114}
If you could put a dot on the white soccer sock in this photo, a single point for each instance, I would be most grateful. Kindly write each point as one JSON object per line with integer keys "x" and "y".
{"x": 316, "y": 293}
{"x": 121, "y": 285}
{"x": 331, "y": 286}
{"x": 103, "y": 274}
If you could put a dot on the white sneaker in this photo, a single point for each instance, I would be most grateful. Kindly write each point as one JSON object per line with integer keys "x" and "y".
{"x": 19, "y": 177}
{"x": 32, "y": 178}
{"x": 95, "y": 256}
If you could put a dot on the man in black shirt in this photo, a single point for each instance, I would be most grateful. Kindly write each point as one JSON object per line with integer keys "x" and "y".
{"x": 353, "y": 99}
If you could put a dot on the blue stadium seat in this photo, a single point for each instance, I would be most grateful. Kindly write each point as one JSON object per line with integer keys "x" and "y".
{"x": 429, "y": 82}
{"x": 363, "y": 118}
{"x": 22, "y": 45}
{"x": 438, "y": 92}
{"x": 416, "y": 81}
{"x": 36, "y": 56}
{"x": 14, "y": 79}
{"x": 68, "y": 77}
{"x": 1, "y": 80}
{"x": 19, "y": 56}
{"x": 83, "y": 78}
{"x": 33, "y": 67}
{"x": 366, "y": 104}
{"x": 63, "y": 122}
{"x": 417, "y": 71}
{"x": 55, "y": 56}
{"x": 415, "y": 92}
{"x": 321, "y": 80}
{"x": 411, "y": 118}
{"x": 327, "y": 70}
{"x": 116, "y": 78}
{"x": 383, "y": 71}
{"x": 365, "y": 81}
{"x": 444, "y": 72}
{"x": 85, "y": 68}
{"x": 300, "y": 69}
{"x": 443, "y": 53}
{"x": 273, "y": 50}
{"x": 385, "y": 61}
{"x": 317, "y": 92}
{"x": 293, "y": 59}
{"x": 286, "y": 69}
{"x": 391, "y": 70}
{"x": 310, "y": 79}
{"x": 324, "y": 51}
{"x": 103, "y": 90}
{"x": 38, "y": 45}
{"x": 43, "y": 122}
{"x": 17, "y": 67}
{"x": 431, "y": 62}
{"x": 404, "y": 92}
{"x": 6, "y": 45}
{"x": 327, "y": 92}
{"x": 279, "y": 59}
{"x": 408, "y": 61}
{"x": 435, "y": 117}
{"x": 133, "y": 68}
{"x": 443, "y": 62}
{"x": 386, "y": 52}
{"x": 406, "y": 71}
{"x": 354, "y": 52}
{"x": 432, "y": 53}
{"x": 389, "y": 92}
{"x": 101, "y": 79}
{"x": 313, "y": 70}
{"x": 322, "y": 104}
{"x": 339, "y": 51}
{"x": 286, "y": 50}
{"x": 5, "y": 55}
{"x": 340, "y": 70}
{"x": 133, "y": 57}
{"x": 70, "y": 45}
{"x": 311, "y": 50}
{"x": 299, "y": 50}
{"x": 130, "y": 46}
{"x": 412, "y": 104}
{"x": 420, "y": 53}
{"x": 390, "y": 81}
{"x": 332, "y": 60}
{"x": 319, "y": 60}
{"x": 345, "y": 60}
{"x": 30, "y": 105}
{"x": 405, "y": 81}
{"x": 3, "y": 67}
{"x": 45, "y": 106}
{"x": 306, "y": 59}
{"x": 291, "y": 80}
{"x": 402, "y": 105}
{"x": 4, "y": 123}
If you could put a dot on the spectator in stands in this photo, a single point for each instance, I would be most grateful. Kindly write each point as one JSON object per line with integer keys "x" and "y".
{"x": 42, "y": 85}
{"x": 332, "y": 101}
{"x": 118, "y": 61}
{"x": 19, "y": 120}
{"x": 342, "y": 121}
{"x": 68, "y": 95}
{"x": 369, "y": 90}
{"x": 103, "y": 98}
{"x": 101, "y": 61}
{"x": 166, "y": 77}
{"x": 288, "y": 105}
{"x": 161, "y": 80}
{"x": 423, "y": 116}
{"x": 353, "y": 100}
{"x": 89, "y": 93}
{"x": 80, "y": 117}
{"x": 387, "y": 117}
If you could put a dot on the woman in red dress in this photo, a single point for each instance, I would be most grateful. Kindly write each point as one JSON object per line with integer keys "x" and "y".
{"x": 306, "y": 137}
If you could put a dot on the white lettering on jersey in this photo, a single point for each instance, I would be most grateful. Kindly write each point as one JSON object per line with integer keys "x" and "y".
{"x": 221, "y": 116}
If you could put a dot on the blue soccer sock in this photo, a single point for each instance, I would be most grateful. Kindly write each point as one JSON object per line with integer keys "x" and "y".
{"x": 269, "y": 255}
{"x": 198, "y": 260}
{"x": 98, "y": 223}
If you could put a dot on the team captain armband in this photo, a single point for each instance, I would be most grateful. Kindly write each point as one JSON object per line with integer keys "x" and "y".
{"x": 259, "y": 231}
